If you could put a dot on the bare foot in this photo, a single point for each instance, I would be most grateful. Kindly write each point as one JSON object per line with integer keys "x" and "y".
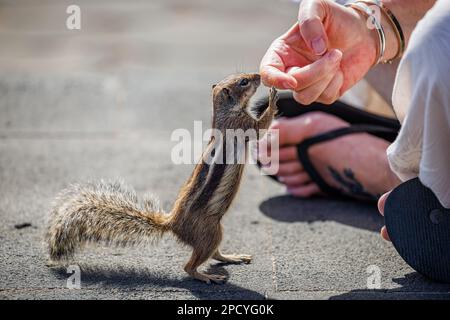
{"x": 232, "y": 258}
{"x": 356, "y": 164}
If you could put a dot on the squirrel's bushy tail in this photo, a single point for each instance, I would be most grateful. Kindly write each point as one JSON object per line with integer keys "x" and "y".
{"x": 102, "y": 212}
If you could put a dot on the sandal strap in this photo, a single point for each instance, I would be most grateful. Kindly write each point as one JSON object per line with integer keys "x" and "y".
{"x": 302, "y": 151}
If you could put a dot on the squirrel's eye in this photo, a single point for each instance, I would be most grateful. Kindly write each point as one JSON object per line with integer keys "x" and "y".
{"x": 243, "y": 82}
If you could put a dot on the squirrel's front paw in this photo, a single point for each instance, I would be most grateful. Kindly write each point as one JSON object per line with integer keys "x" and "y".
{"x": 272, "y": 96}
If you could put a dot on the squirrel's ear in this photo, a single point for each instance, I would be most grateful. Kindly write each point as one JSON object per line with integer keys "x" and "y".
{"x": 214, "y": 85}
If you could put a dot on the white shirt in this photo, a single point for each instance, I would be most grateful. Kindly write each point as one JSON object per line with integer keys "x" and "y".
{"x": 421, "y": 99}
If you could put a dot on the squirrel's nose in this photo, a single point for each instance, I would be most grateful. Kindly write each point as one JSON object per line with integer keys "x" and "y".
{"x": 256, "y": 78}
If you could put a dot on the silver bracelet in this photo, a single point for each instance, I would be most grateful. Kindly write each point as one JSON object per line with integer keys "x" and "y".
{"x": 364, "y": 8}
{"x": 395, "y": 24}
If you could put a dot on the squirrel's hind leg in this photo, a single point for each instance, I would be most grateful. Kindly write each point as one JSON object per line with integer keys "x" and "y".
{"x": 198, "y": 258}
{"x": 232, "y": 258}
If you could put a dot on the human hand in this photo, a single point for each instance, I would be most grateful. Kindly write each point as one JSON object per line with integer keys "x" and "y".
{"x": 381, "y": 203}
{"x": 323, "y": 55}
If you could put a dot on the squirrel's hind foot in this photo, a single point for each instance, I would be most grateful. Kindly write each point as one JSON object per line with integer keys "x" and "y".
{"x": 233, "y": 258}
{"x": 208, "y": 278}
{"x": 53, "y": 263}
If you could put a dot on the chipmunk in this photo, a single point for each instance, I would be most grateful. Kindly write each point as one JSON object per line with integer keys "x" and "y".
{"x": 108, "y": 212}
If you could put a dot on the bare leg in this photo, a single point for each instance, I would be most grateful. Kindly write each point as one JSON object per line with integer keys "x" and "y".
{"x": 196, "y": 260}
{"x": 232, "y": 258}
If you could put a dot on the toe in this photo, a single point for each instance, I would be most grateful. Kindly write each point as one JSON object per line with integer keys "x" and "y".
{"x": 304, "y": 191}
{"x": 289, "y": 168}
{"x": 295, "y": 180}
{"x": 218, "y": 279}
{"x": 288, "y": 154}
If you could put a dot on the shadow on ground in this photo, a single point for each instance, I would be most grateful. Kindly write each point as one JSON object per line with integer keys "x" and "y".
{"x": 133, "y": 279}
{"x": 413, "y": 286}
{"x": 290, "y": 209}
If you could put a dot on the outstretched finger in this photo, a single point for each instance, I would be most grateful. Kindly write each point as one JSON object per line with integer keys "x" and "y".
{"x": 272, "y": 70}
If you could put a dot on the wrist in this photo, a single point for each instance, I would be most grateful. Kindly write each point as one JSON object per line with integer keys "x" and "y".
{"x": 368, "y": 35}
{"x": 379, "y": 33}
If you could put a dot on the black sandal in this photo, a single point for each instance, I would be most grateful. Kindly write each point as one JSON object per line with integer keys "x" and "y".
{"x": 419, "y": 228}
{"x": 360, "y": 121}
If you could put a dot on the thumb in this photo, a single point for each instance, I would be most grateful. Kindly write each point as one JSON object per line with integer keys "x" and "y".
{"x": 310, "y": 18}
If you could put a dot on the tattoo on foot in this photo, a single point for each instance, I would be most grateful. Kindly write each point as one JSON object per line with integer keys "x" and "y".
{"x": 350, "y": 183}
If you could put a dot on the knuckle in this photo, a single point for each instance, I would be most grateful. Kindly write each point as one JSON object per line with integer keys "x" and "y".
{"x": 303, "y": 98}
{"x": 306, "y": 21}
{"x": 326, "y": 98}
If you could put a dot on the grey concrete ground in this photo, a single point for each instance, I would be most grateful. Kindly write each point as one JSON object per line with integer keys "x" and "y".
{"x": 102, "y": 102}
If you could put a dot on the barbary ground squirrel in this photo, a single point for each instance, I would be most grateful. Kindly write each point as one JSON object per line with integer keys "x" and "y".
{"x": 110, "y": 213}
